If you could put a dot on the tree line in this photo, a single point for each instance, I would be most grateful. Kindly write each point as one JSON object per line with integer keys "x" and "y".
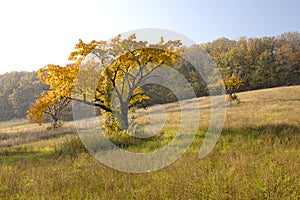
{"x": 245, "y": 64}
{"x": 262, "y": 62}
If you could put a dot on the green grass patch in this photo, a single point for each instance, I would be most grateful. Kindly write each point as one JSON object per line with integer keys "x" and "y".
{"x": 256, "y": 157}
{"x": 257, "y": 162}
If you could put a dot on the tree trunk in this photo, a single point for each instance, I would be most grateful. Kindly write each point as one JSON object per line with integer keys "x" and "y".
{"x": 124, "y": 117}
{"x": 54, "y": 123}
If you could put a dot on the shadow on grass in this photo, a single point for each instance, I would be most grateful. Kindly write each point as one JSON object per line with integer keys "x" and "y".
{"x": 272, "y": 130}
{"x": 73, "y": 147}
{"x": 11, "y": 156}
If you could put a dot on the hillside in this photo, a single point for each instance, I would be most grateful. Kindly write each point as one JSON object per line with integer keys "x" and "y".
{"x": 273, "y": 106}
{"x": 260, "y": 63}
{"x": 256, "y": 157}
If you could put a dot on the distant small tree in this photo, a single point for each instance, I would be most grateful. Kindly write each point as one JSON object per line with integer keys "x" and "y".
{"x": 48, "y": 105}
{"x": 230, "y": 57}
{"x": 231, "y": 84}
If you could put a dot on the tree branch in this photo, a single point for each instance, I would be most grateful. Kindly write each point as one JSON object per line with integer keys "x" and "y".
{"x": 92, "y": 104}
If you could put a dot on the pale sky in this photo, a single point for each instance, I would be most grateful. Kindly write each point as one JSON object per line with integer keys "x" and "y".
{"x": 34, "y": 33}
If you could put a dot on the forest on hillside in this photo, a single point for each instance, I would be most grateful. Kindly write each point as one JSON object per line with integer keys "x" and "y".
{"x": 262, "y": 63}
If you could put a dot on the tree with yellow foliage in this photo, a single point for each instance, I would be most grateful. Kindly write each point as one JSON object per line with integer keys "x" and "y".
{"x": 231, "y": 84}
{"x": 105, "y": 73}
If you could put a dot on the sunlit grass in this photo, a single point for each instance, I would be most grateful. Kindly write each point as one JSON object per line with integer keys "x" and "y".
{"x": 256, "y": 157}
{"x": 249, "y": 163}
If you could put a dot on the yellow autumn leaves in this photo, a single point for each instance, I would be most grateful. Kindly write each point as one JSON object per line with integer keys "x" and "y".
{"x": 101, "y": 67}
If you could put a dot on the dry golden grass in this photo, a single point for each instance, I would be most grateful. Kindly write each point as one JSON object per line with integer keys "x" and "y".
{"x": 256, "y": 157}
{"x": 269, "y": 106}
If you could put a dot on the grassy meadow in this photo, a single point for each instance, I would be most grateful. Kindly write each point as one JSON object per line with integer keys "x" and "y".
{"x": 256, "y": 157}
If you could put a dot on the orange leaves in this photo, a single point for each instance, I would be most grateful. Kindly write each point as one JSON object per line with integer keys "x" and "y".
{"x": 102, "y": 67}
{"x": 60, "y": 81}
{"x": 37, "y": 111}
{"x": 233, "y": 82}
{"x": 137, "y": 96}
